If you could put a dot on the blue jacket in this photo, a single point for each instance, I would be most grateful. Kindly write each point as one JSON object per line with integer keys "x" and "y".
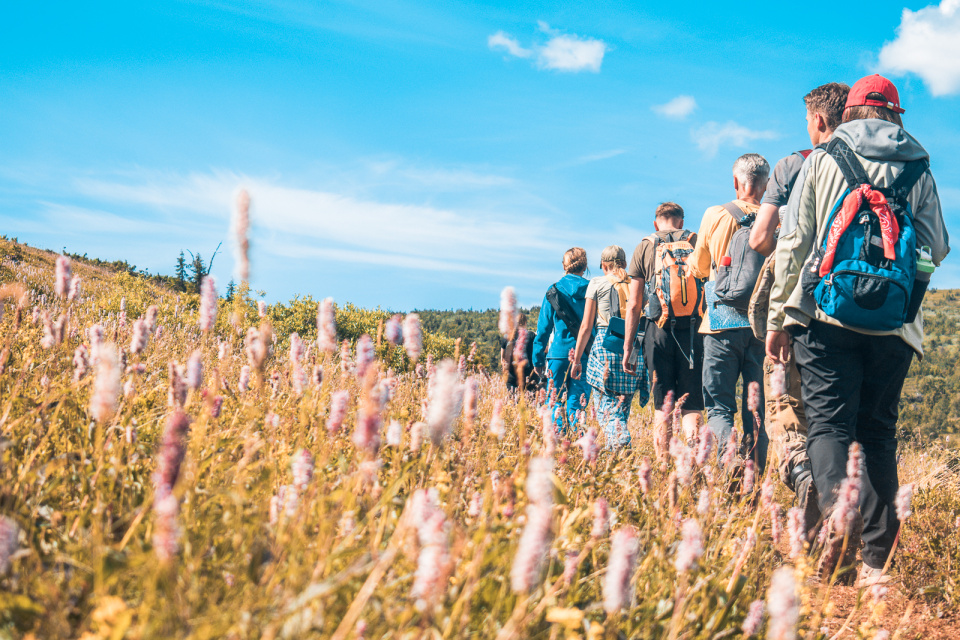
{"x": 563, "y": 340}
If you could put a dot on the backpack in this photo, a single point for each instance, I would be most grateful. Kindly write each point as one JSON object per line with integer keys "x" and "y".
{"x": 737, "y": 277}
{"x": 862, "y": 272}
{"x": 564, "y": 308}
{"x": 622, "y": 290}
{"x": 673, "y": 291}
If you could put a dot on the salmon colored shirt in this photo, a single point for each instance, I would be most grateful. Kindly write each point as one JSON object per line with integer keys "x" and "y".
{"x": 713, "y": 239}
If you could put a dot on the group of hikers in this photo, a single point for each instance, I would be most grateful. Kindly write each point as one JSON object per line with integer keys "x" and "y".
{"x": 805, "y": 287}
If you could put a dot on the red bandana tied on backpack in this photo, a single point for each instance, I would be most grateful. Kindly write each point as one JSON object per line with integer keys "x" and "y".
{"x": 889, "y": 227}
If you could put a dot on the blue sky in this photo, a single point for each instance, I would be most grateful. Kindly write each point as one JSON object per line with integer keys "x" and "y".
{"x": 426, "y": 154}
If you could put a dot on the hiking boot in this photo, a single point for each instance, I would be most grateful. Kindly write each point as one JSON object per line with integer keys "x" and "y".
{"x": 834, "y": 558}
{"x": 807, "y": 499}
{"x": 869, "y": 577}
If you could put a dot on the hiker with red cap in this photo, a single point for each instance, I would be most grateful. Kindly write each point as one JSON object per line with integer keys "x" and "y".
{"x": 785, "y": 418}
{"x": 861, "y": 235}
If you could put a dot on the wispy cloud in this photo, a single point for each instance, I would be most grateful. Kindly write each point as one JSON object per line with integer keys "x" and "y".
{"x": 927, "y": 44}
{"x": 500, "y": 40}
{"x": 678, "y": 108}
{"x": 562, "y": 52}
{"x": 713, "y": 135}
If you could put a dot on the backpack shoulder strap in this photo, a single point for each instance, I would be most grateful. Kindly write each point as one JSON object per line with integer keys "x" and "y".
{"x": 685, "y": 235}
{"x": 803, "y": 154}
{"x": 911, "y": 173}
{"x": 849, "y": 165}
{"x": 735, "y": 212}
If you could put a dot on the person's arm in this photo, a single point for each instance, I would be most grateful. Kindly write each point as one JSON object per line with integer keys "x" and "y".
{"x": 634, "y": 309}
{"x": 928, "y": 220}
{"x": 700, "y": 260}
{"x": 545, "y": 325}
{"x": 762, "y": 235}
{"x": 792, "y": 250}
{"x": 586, "y": 328}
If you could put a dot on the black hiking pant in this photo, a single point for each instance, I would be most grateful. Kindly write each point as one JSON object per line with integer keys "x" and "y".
{"x": 851, "y": 384}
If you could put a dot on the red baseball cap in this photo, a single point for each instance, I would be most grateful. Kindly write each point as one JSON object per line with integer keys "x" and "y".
{"x": 874, "y": 84}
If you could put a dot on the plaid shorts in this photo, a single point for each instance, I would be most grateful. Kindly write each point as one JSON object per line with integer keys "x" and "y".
{"x": 605, "y": 372}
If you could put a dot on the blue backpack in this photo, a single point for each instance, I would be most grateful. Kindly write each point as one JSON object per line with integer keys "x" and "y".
{"x": 862, "y": 273}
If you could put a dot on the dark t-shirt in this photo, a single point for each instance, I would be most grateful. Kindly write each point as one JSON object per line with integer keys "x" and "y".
{"x": 507, "y": 346}
{"x": 644, "y": 256}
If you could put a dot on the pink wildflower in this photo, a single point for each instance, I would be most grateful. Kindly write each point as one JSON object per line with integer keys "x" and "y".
{"x": 904, "y": 501}
{"x": 855, "y": 461}
{"x": 106, "y": 388}
{"x": 62, "y": 276}
{"x": 445, "y": 398}
{"x": 74, "y": 288}
{"x": 497, "y": 426}
{"x": 150, "y": 318}
{"x": 549, "y": 431}
{"x": 241, "y": 232}
{"x": 778, "y": 380}
{"x": 539, "y": 483}
{"x": 691, "y": 546}
{"x": 394, "y": 434}
{"x": 9, "y": 535}
{"x": 749, "y": 477}
{"x": 617, "y": 590}
{"x": 243, "y": 383}
{"x": 471, "y": 390}
{"x": 783, "y": 605}
{"x": 776, "y": 522}
{"x": 208, "y": 303}
{"x": 570, "y": 565}
{"x": 138, "y": 340}
{"x": 416, "y": 435}
{"x": 795, "y": 531}
{"x": 601, "y": 518}
{"x": 533, "y": 548}
{"x": 753, "y": 397}
{"x": 433, "y": 560}
{"x": 216, "y": 406}
{"x": 462, "y": 365}
{"x": 326, "y": 326}
{"x": 338, "y": 410}
{"x": 222, "y": 350}
{"x": 261, "y": 309}
{"x": 520, "y": 347}
{"x": 508, "y": 312}
{"x": 393, "y": 330}
{"x": 177, "y": 389}
{"x": 412, "y": 336}
{"x": 365, "y": 355}
{"x": 703, "y": 502}
{"x": 588, "y": 445}
{"x": 173, "y": 448}
{"x": 302, "y": 468}
{"x": 705, "y": 447}
{"x": 166, "y": 530}
{"x": 256, "y": 347}
{"x": 667, "y": 407}
{"x": 195, "y": 370}
{"x": 645, "y": 475}
{"x": 81, "y": 362}
{"x": 476, "y": 504}
{"x": 751, "y": 623}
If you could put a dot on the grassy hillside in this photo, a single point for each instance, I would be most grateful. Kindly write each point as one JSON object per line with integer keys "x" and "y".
{"x": 378, "y": 499}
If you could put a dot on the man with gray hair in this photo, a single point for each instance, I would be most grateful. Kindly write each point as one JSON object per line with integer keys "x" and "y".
{"x": 730, "y": 350}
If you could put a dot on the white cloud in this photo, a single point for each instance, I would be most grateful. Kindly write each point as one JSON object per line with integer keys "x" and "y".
{"x": 571, "y": 53}
{"x": 927, "y": 44}
{"x": 500, "y": 40}
{"x": 713, "y": 135}
{"x": 678, "y": 108}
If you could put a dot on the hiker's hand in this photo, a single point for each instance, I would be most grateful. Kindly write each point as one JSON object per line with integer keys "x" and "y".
{"x": 575, "y": 369}
{"x": 628, "y": 365}
{"x": 778, "y": 346}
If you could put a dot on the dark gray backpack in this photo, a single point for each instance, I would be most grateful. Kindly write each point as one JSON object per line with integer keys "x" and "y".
{"x": 736, "y": 280}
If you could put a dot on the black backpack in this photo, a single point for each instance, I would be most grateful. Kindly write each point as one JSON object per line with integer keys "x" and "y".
{"x": 736, "y": 280}
{"x": 567, "y": 312}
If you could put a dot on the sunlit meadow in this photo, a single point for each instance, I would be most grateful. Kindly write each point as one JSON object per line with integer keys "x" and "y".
{"x": 176, "y": 465}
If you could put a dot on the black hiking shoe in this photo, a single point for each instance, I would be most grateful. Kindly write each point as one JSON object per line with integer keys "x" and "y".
{"x": 807, "y": 500}
{"x": 834, "y": 558}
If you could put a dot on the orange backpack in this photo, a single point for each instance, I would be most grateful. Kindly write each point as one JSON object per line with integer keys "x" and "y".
{"x": 673, "y": 291}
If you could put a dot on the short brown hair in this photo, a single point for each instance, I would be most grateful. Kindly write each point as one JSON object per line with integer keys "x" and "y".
{"x": 828, "y": 100}
{"x": 867, "y": 112}
{"x": 575, "y": 260}
{"x": 670, "y": 210}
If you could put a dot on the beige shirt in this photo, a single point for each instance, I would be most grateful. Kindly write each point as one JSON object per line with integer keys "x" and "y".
{"x": 815, "y": 198}
{"x": 713, "y": 239}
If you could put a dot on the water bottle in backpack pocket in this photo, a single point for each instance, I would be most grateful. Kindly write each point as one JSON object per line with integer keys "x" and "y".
{"x": 862, "y": 273}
